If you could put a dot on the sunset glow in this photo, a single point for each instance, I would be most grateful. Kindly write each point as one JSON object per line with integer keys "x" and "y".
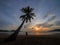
{"x": 39, "y": 29}
{"x": 36, "y": 28}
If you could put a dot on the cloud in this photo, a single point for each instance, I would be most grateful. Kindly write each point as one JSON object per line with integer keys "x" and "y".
{"x": 44, "y": 25}
{"x": 9, "y": 27}
{"x": 49, "y": 12}
{"x": 52, "y": 18}
{"x": 57, "y": 23}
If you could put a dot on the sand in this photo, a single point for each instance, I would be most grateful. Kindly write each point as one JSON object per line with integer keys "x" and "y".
{"x": 33, "y": 40}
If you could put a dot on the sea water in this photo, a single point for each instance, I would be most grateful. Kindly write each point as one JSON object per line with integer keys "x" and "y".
{"x": 31, "y": 33}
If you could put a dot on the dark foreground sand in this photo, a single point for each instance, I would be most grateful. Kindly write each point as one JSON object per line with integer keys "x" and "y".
{"x": 33, "y": 40}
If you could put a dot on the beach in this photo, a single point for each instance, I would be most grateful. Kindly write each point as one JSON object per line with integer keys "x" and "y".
{"x": 33, "y": 40}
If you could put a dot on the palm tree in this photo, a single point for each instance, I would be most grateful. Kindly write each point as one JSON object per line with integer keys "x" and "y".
{"x": 28, "y": 15}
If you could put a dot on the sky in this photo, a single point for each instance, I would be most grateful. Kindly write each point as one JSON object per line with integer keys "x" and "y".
{"x": 47, "y": 14}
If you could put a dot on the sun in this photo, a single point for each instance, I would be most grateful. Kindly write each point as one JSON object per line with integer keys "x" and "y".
{"x": 35, "y": 28}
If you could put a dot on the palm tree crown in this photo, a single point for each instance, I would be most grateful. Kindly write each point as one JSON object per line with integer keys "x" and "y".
{"x": 28, "y": 15}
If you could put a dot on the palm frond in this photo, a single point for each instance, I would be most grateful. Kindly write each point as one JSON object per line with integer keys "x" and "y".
{"x": 22, "y": 17}
{"x": 32, "y": 14}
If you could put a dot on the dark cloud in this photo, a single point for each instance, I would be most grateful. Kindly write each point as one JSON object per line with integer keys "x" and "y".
{"x": 57, "y": 23}
{"x": 44, "y": 25}
{"x": 52, "y": 18}
{"x": 47, "y": 25}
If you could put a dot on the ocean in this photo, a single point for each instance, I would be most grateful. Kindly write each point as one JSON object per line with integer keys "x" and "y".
{"x": 32, "y": 33}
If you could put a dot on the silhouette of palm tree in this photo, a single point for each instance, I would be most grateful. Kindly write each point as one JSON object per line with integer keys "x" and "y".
{"x": 28, "y": 15}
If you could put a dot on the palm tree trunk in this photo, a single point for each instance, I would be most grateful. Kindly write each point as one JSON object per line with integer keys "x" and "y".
{"x": 14, "y": 35}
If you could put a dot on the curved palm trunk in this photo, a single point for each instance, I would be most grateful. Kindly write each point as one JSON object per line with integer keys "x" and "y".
{"x": 14, "y": 35}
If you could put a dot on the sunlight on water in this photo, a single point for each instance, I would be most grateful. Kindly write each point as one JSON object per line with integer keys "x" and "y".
{"x": 37, "y": 33}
